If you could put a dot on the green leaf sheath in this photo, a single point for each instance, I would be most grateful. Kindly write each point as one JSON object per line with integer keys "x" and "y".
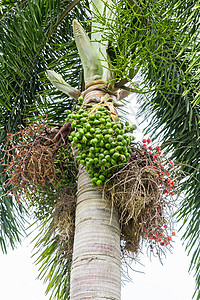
{"x": 89, "y": 57}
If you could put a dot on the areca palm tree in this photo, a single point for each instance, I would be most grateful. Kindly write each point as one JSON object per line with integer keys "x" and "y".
{"x": 159, "y": 42}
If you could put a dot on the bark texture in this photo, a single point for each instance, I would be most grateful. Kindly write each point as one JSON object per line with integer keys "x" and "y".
{"x": 96, "y": 264}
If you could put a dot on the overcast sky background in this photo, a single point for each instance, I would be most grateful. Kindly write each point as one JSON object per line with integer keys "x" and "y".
{"x": 169, "y": 281}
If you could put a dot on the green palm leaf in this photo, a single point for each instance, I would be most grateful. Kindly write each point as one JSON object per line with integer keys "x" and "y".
{"x": 25, "y": 92}
{"x": 176, "y": 121}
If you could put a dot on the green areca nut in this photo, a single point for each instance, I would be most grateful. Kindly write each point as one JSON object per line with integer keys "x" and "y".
{"x": 101, "y": 143}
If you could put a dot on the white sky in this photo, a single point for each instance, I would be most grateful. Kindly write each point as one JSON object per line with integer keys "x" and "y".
{"x": 170, "y": 281}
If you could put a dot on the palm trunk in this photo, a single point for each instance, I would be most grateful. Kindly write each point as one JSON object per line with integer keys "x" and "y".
{"x": 96, "y": 265}
{"x": 96, "y": 262}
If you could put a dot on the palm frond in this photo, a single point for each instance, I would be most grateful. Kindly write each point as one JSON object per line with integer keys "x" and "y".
{"x": 54, "y": 256}
{"x": 32, "y": 40}
{"x": 138, "y": 35}
{"x": 176, "y": 121}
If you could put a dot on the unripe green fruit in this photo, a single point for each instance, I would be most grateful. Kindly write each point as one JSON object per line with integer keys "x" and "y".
{"x": 108, "y": 165}
{"x": 99, "y": 136}
{"x": 88, "y": 126}
{"x": 101, "y": 108}
{"x": 77, "y": 135}
{"x": 73, "y": 124}
{"x": 102, "y": 169}
{"x": 92, "y": 130}
{"x": 102, "y": 177}
{"x": 110, "y": 131}
{"x": 73, "y": 144}
{"x": 104, "y": 131}
{"x": 85, "y": 114}
{"x": 116, "y": 155}
{"x": 83, "y": 120}
{"x": 70, "y": 116}
{"x": 96, "y": 122}
{"x": 102, "y": 120}
{"x": 78, "y": 117}
{"x": 101, "y": 156}
{"x": 108, "y": 146}
{"x": 106, "y": 137}
{"x": 125, "y": 142}
{"x": 94, "y": 180}
{"x": 99, "y": 182}
{"x": 112, "y": 151}
{"x": 75, "y": 140}
{"x": 88, "y": 135}
{"x": 92, "y": 117}
{"x": 80, "y": 99}
{"x": 91, "y": 155}
{"x": 94, "y": 141}
{"x": 108, "y": 125}
{"x": 123, "y": 158}
{"x": 101, "y": 143}
{"x": 107, "y": 157}
{"x": 119, "y": 138}
{"x": 81, "y": 131}
{"x": 113, "y": 162}
{"x": 119, "y": 125}
{"x": 98, "y": 115}
{"x": 119, "y": 148}
{"x": 73, "y": 116}
{"x": 96, "y": 161}
{"x": 98, "y": 130}
{"x": 91, "y": 161}
{"x": 84, "y": 139}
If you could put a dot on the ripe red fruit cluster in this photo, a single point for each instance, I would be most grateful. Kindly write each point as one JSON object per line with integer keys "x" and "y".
{"x": 160, "y": 237}
{"x": 158, "y": 232}
{"x": 146, "y": 141}
{"x": 163, "y": 170}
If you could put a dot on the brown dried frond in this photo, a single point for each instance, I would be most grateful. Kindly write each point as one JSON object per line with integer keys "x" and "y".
{"x": 64, "y": 215}
{"x": 138, "y": 190}
{"x": 64, "y": 222}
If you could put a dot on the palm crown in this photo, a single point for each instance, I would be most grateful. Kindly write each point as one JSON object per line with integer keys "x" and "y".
{"x": 157, "y": 41}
